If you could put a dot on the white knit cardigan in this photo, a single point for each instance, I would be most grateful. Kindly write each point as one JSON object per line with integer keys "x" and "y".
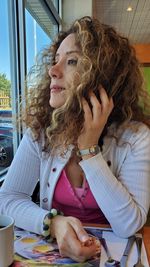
{"x": 122, "y": 190}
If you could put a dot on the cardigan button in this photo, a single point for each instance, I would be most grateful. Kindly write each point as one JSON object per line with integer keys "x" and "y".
{"x": 48, "y": 184}
{"x": 109, "y": 163}
{"x": 45, "y": 199}
{"x": 54, "y": 169}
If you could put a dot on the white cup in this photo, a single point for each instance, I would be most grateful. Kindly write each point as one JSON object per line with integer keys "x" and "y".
{"x": 6, "y": 240}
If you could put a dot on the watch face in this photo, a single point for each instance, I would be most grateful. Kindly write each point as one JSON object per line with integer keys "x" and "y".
{"x": 94, "y": 149}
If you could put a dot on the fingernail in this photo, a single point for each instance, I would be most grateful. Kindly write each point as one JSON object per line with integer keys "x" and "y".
{"x": 84, "y": 238}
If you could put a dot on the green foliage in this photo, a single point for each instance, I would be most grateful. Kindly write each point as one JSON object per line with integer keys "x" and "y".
{"x": 147, "y": 77}
{"x": 4, "y": 84}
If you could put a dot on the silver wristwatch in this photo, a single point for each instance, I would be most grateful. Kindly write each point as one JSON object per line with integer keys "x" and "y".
{"x": 93, "y": 150}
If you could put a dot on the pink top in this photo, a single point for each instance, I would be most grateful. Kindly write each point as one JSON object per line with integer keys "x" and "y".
{"x": 77, "y": 202}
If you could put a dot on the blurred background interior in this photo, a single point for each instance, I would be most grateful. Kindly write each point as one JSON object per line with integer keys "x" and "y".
{"x": 28, "y": 26}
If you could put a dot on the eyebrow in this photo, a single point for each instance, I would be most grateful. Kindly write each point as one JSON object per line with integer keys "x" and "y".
{"x": 70, "y": 52}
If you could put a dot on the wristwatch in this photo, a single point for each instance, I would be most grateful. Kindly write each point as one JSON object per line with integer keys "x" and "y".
{"x": 93, "y": 150}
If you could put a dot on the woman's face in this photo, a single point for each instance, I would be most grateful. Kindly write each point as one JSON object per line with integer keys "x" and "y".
{"x": 63, "y": 70}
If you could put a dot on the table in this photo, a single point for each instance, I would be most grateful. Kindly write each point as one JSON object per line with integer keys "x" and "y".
{"x": 145, "y": 232}
{"x": 146, "y": 238}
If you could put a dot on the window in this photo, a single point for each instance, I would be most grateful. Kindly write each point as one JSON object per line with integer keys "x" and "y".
{"x": 29, "y": 26}
{"x": 6, "y": 128}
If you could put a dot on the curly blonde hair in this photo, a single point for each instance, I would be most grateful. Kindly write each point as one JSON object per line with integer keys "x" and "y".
{"x": 107, "y": 59}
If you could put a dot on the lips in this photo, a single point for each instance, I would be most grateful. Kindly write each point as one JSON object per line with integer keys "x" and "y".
{"x": 56, "y": 88}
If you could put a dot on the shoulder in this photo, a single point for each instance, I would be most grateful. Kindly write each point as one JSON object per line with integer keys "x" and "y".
{"x": 128, "y": 145}
{"x": 31, "y": 136}
{"x": 29, "y": 140}
{"x": 132, "y": 133}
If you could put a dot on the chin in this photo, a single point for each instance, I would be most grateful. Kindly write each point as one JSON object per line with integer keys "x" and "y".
{"x": 55, "y": 104}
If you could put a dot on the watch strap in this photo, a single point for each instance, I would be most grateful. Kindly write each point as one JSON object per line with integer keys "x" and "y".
{"x": 93, "y": 150}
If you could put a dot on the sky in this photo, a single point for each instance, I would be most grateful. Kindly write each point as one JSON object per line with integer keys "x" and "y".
{"x": 4, "y": 48}
{"x": 42, "y": 40}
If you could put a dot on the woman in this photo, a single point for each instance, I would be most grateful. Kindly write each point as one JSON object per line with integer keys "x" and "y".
{"x": 87, "y": 142}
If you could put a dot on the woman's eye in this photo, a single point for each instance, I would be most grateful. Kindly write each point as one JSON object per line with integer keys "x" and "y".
{"x": 72, "y": 62}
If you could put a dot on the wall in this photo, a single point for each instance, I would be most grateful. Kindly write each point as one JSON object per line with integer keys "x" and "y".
{"x": 143, "y": 52}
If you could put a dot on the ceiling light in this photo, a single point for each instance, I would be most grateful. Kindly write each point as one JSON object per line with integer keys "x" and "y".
{"x": 129, "y": 8}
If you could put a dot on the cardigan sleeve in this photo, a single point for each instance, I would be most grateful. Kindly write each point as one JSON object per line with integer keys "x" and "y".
{"x": 19, "y": 184}
{"x": 124, "y": 199}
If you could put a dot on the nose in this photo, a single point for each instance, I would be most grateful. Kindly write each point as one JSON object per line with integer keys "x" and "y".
{"x": 55, "y": 71}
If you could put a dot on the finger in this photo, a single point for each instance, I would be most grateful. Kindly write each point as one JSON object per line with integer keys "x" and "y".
{"x": 111, "y": 106}
{"x": 70, "y": 244}
{"x": 82, "y": 253}
{"x": 104, "y": 98}
{"x": 96, "y": 106}
{"x": 73, "y": 247}
{"x": 89, "y": 242}
{"x": 87, "y": 110}
{"x": 106, "y": 103}
{"x": 77, "y": 226}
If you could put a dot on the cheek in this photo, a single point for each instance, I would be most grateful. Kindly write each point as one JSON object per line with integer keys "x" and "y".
{"x": 70, "y": 74}
{"x": 70, "y": 79}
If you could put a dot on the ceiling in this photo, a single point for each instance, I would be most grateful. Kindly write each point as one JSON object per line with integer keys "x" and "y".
{"x": 135, "y": 24}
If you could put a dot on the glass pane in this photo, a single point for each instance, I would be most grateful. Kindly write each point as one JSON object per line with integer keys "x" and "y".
{"x": 6, "y": 140}
{"x": 55, "y": 2}
{"x": 36, "y": 39}
{"x": 43, "y": 16}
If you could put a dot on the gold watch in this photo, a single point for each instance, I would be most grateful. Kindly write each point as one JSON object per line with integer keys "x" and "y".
{"x": 93, "y": 150}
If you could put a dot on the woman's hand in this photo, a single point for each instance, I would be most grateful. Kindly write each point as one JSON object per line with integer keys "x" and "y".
{"x": 95, "y": 118}
{"x": 72, "y": 239}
